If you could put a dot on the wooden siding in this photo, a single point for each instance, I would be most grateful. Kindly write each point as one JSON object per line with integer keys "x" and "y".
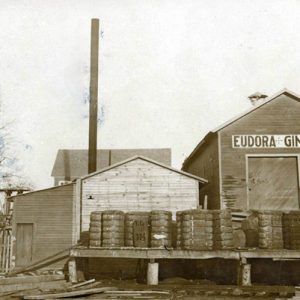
{"x": 137, "y": 185}
{"x": 279, "y": 116}
{"x": 51, "y": 213}
{"x": 205, "y": 164}
{"x": 268, "y": 187}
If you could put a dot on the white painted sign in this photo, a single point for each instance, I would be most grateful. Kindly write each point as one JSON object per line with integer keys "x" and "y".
{"x": 266, "y": 141}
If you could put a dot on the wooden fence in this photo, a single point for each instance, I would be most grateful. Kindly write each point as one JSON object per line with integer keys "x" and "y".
{"x": 6, "y": 250}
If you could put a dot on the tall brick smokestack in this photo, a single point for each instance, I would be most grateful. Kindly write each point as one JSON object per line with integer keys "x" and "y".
{"x": 93, "y": 121}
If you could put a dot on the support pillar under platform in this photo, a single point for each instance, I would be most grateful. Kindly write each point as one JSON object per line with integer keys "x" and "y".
{"x": 72, "y": 270}
{"x": 152, "y": 272}
{"x": 244, "y": 273}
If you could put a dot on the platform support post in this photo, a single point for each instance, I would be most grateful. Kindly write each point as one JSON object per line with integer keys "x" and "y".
{"x": 244, "y": 273}
{"x": 72, "y": 270}
{"x": 152, "y": 272}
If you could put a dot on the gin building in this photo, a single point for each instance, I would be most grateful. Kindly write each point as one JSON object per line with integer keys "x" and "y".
{"x": 252, "y": 161}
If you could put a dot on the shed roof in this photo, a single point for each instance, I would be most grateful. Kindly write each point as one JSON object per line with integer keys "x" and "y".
{"x": 238, "y": 117}
{"x": 11, "y": 198}
{"x": 202, "y": 180}
{"x": 73, "y": 163}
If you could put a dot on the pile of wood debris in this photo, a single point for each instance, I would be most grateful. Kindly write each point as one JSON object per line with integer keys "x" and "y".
{"x": 42, "y": 287}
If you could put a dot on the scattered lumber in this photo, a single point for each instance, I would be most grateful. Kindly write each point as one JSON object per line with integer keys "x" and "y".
{"x": 138, "y": 292}
{"x": 82, "y": 284}
{"x": 47, "y": 261}
{"x": 30, "y": 279}
{"x": 70, "y": 294}
{"x": 62, "y": 284}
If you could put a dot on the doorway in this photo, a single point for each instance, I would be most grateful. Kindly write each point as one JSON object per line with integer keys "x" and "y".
{"x": 24, "y": 244}
{"x": 273, "y": 183}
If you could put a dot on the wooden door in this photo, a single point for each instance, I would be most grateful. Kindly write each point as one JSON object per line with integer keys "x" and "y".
{"x": 24, "y": 244}
{"x": 273, "y": 183}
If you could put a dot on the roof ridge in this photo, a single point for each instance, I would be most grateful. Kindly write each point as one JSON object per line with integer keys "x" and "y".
{"x": 146, "y": 159}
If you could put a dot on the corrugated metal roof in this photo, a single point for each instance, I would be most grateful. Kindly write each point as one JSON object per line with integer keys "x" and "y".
{"x": 73, "y": 163}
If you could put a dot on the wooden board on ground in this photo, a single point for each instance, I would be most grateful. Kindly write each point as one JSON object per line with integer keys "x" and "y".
{"x": 70, "y": 294}
{"x": 30, "y": 279}
{"x": 29, "y": 286}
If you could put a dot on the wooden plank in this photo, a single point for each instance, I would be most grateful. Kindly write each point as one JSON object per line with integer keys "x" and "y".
{"x": 30, "y": 279}
{"x": 148, "y": 253}
{"x": 83, "y": 283}
{"x": 32, "y": 285}
{"x": 156, "y": 253}
{"x": 71, "y": 294}
{"x": 276, "y": 254}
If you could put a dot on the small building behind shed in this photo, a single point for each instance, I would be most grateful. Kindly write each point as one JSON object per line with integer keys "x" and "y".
{"x": 71, "y": 164}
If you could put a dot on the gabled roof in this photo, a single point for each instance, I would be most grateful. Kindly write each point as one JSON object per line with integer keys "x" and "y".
{"x": 238, "y": 117}
{"x": 202, "y": 180}
{"x": 73, "y": 163}
{"x": 250, "y": 110}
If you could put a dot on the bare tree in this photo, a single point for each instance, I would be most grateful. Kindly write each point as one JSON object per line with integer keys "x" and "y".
{"x": 11, "y": 173}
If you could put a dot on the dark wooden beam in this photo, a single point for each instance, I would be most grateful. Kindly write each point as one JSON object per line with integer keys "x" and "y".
{"x": 155, "y": 253}
{"x": 93, "y": 121}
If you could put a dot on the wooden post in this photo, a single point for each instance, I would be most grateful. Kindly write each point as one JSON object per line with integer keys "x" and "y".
{"x": 244, "y": 273}
{"x": 4, "y": 251}
{"x": 205, "y": 202}
{"x": 72, "y": 270}
{"x": 152, "y": 273}
{"x": 93, "y": 121}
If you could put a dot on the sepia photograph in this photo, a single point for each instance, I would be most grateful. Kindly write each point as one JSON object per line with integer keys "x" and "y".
{"x": 149, "y": 149}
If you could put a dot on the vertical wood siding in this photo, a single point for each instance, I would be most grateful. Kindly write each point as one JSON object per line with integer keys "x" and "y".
{"x": 137, "y": 185}
{"x": 205, "y": 164}
{"x": 51, "y": 212}
{"x": 280, "y": 116}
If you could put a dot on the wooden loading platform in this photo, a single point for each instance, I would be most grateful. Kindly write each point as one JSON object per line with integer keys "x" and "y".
{"x": 155, "y": 254}
{"x": 159, "y": 253}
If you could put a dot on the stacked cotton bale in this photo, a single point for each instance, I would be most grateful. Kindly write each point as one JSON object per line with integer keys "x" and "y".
{"x": 179, "y": 229}
{"x": 250, "y": 228}
{"x": 286, "y": 228}
{"x": 113, "y": 228}
{"x": 136, "y": 229}
{"x": 161, "y": 228}
{"x": 197, "y": 229}
{"x": 95, "y": 232}
{"x": 222, "y": 229}
{"x": 270, "y": 230}
{"x": 291, "y": 230}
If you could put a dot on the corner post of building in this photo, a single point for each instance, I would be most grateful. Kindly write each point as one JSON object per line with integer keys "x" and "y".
{"x": 72, "y": 270}
{"x": 244, "y": 272}
{"x": 152, "y": 272}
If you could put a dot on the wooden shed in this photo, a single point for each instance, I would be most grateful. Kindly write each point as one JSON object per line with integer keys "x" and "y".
{"x": 139, "y": 184}
{"x": 44, "y": 224}
{"x": 252, "y": 161}
{"x": 47, "y": 222}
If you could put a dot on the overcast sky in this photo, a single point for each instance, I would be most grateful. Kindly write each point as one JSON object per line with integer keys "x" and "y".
{"x": 170, "y": 71}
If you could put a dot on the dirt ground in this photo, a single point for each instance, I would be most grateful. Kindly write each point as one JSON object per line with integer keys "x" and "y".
{"x": 177, "y": 288}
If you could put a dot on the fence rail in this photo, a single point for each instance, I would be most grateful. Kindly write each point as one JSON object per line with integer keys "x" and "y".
{"x": 6, "y": 250}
